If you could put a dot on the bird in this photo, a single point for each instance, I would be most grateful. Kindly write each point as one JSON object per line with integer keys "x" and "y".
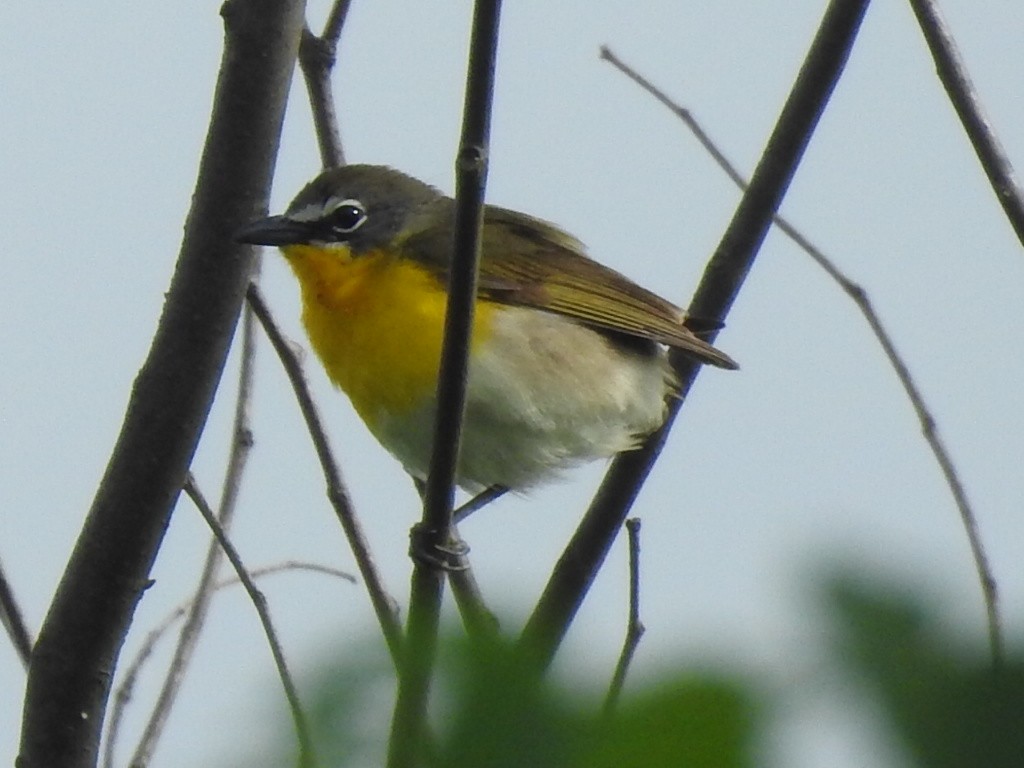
{"x": 568, "y": 359}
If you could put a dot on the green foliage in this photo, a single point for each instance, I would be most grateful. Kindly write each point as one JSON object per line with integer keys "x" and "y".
{"x": 942, "y": 702}
{"x": 494, "y": 712}
{"x": 685, "y": 721}
{"x": 501, "y": 714}
{"x": 505, "y": 717}
{"x": 349, "y": 709}
{"x": 947, "y": 705}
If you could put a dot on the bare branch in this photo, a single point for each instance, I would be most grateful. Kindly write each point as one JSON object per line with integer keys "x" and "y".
{"x": 13, "y": 621}
{"x": 316, "y": 57}
{"x": 962, "y": 94}
{"x": 435, "y": 531}
{"x": 69, "y": 680}
{"x": 859, "y": 296}
{"x": 723, "y": 278}
{"x": 259, "y": 601}
{"x": 635, "y": 627}
{"x": 383, "y": 604}
{"x": 683, "y": 114}
{"x": 124, "y": 692}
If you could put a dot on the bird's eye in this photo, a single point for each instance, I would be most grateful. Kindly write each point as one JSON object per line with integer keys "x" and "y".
{"x": 346, "y": 217}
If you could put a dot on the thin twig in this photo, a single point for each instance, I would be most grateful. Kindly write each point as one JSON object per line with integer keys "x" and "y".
{"x": 317, "y": 56}
{"x": 383, "y": 604}
{"x": 14, "y": 621}
{"x": 306, "y": 755}
{"x": 335, "y": 21}
{"x": 435, "y": 531}
{"x": 964, "y": 98}
{"x": 859, "y": 296}
{"x": 126, "y": 689}
{"x": 722, "y": 280}
{"x": 478, "y": 620}
{"x": 188, "y": 639}
{"x": 635, "y": 628}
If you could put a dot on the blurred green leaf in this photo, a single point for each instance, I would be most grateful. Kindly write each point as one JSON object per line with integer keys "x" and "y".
{"x": 683, "y": 722}
{"x": 500, "y": 713}
{"x": 492, "y": 711}
{"x": 489, "y": 710}
{"x": 503, "y": 716}
{"x": 945, "y": 703}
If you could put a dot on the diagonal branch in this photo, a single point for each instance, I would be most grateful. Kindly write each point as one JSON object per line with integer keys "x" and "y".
{"x": 477, "y": 619}
{"x": 126, "y": 688}
{"x": 13, "y": 620}
{"x": 860, "y": 297}
{"x": 259, "y": 601}
{"x": 69, "y": 680}
{"x": 317, "y": 58}
{"x": 722, "y": 280}
{"x": 964, "y": 97}
{"x": 337, "y": 493}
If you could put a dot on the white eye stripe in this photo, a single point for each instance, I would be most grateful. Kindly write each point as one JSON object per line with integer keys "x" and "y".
{"x": 311, "y": 212}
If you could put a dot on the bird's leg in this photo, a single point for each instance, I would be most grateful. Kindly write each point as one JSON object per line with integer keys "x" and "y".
{"x": 449, "y": 556}
{"x": 479, "y": 501}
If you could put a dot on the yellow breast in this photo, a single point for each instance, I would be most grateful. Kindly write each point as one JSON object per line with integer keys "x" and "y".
{"x": 376, "y": 322}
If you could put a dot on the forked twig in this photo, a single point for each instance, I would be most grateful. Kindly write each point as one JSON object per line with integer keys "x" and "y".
{"x": 126, "y": 689}
{"x": 306, "y": 755}
{"x": 635, "y": 628}
{"x": 860, "y": 297}
{"x": 316, "y": 57}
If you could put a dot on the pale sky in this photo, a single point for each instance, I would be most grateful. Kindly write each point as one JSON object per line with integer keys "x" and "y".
{"x": 809, "y": 456}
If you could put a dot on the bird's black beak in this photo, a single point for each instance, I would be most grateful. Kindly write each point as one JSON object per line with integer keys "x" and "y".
{"x": 274, "y": 230}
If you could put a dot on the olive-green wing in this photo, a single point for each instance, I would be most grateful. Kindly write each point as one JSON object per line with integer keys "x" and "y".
{"x": 531, "y": 263}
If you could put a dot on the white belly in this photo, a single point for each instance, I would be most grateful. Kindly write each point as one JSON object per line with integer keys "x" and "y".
{"x": 544, "y": 395}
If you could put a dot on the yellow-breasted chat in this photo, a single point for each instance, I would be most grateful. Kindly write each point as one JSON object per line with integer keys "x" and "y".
{"x": 568, "y": 358}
